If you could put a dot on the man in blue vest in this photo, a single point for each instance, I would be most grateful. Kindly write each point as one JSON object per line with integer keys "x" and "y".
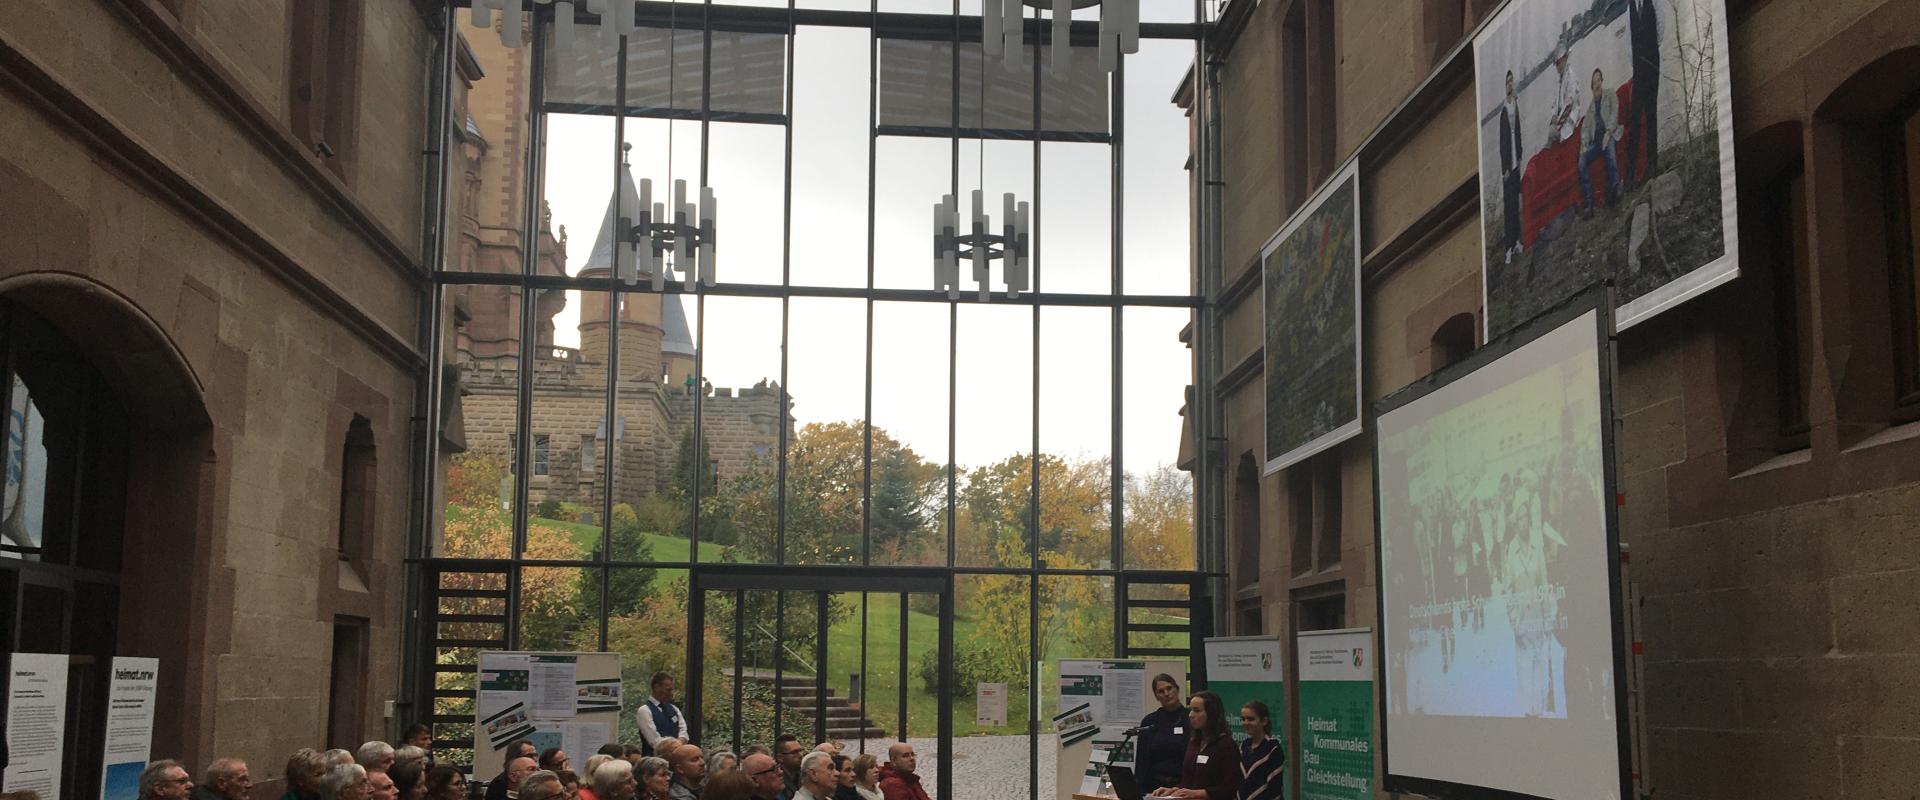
{"x": 659, "y": 718}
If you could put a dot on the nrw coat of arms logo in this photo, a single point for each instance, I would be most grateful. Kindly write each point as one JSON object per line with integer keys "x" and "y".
{"x": 1359, "y": 656}
{"x": 1266, "y": 661}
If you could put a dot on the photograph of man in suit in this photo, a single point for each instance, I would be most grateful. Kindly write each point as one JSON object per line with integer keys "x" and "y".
{"x": 1643, "y": 35}
{"x": 1511, "y": 160}
{"x": 1599, "y": 130}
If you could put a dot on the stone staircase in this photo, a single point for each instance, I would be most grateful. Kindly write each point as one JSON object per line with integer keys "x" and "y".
{"x": 846, "y": 720}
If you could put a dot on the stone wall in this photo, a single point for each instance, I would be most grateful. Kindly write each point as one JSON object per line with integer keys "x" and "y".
{"x": 248, "y": 304}
{"x": 1779, "y": 615}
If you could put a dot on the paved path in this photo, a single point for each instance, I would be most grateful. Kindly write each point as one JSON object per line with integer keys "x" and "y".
{"x": 985, "y": 767}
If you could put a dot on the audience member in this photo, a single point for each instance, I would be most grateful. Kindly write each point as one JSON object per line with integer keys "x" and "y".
{"x": 518, "y": 748}
{"x": 418, "y": 735}
{"x": 344, "y": 782}
{"x": 517, "y": 772}
{"x": 225, "y": 779}
{"x": 722, "y": 761}
{"x": 165, "y": 780}
{"x": 866, "y": 777}
{"x": 542, "y": 785}
{"x": 554, "y": 759}
{"x": 406, "y": 753}
{"x": 337, "y": 757}
{"x": 659, "y": 718}
{"x": 615, "y": 749}
{"x": 765, "y": 774}
{"x": 898, "y": 780}
{"x": 613, "y": 780}
{"x": 689, "y": 767}
{"x": 655, "y": 777}
{"x": 380, "y": 786}
{"x": 729, "y": 785}
{"x": 569, "y": 784}
{"x": 410, "y": 778}
{"x": 593, "y": 765}
{"x": 829, "y": 747}
{"x": 817, "y": 780}
{"x": 23, "y": 794}
{"x": 787, "y": 750}
{"x": 304, "y": 769}
{"x": 375, "y": 756}
{"x": 633, "y": 753}
{"x": 756, "y": 748}
{"x": 446, "y": 782}
{"x": 843, "y": 778}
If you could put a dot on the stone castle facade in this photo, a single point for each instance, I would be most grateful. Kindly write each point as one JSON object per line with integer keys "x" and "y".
{"x": 652, "y": 373}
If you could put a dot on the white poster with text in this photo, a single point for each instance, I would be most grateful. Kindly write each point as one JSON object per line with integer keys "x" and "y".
{"x": 129, "y": 738}
{"x": 36, "y": 723}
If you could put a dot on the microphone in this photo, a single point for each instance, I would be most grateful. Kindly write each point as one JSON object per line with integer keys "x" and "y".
{"x": 1136, "y": 730}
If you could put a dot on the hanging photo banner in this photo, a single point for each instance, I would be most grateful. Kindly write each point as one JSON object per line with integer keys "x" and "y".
{"x": 1242, "y": 669}
{"x": 129, "y": 737}
{"x": 1336, "y": 714}
{"x": 1310, "y": 278}
{"x": 1606, "y": 152}
{"x": 36, "y": 722}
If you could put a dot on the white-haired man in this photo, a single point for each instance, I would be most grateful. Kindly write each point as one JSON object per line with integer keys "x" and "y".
{"x": 225, "y": 779}
{"x": 374, "y": 756}
{"x": 165, "y": 780}
{"x": 613, "y": 780}
{"x": 817, "y": 779}
{"x": 344, "y": 782}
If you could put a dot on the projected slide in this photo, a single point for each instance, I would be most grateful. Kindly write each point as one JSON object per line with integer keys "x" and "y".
{"x": 1496, "y": 612}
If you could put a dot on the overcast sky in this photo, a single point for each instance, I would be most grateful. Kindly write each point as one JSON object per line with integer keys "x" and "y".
{"x": 825, "y": 373}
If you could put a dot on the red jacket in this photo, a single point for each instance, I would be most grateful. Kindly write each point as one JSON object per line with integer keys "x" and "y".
{"x": 896, "y": 785}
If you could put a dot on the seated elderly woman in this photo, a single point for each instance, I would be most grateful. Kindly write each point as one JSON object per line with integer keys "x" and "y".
{"x": 613, "y": 780}
{"x": 344, "y": 782}
{"x": 375, "y": 756}
{"x": 304, "y": 769}
{"x": 655, "y": 777}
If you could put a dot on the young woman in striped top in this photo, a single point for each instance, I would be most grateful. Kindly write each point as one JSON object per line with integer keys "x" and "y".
{"x": 1263, "y": 762}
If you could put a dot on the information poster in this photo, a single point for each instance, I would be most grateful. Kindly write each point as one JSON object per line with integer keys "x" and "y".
{"x": 129, "y": 738}
{"x": 36, "y": 723}
{"x": 990, "y": 704}
{"x": 1099, "y": 700}
{"x": 1242, "y": 669}
{"x": 1336, "y": 714}
{"x": 567, "y": 700}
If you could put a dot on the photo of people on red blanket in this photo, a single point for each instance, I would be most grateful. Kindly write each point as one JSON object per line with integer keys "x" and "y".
{"x": 1605, "y": 153}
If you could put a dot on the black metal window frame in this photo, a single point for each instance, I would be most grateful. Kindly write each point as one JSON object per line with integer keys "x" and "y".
{"x": 708, "y": 18}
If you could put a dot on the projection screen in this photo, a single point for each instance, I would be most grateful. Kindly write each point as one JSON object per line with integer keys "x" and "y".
{"x": 1500, "y": 647}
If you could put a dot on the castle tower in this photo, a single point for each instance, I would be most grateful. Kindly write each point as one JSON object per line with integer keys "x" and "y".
{"x": 638, "y": 317}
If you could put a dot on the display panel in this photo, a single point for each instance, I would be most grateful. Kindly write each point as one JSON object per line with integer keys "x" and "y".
{"x": 1498, "y": 598}
{"x": 1606, "y": 153}
{"x": 1310, "y": 277}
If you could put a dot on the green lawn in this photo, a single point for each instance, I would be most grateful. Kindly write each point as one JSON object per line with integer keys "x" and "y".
{"x": 665, "y": 548}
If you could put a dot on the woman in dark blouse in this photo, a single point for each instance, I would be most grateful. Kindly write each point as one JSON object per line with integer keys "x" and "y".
{"x": 1211, "y": 769}
{"x": 1263, "y": 762}
{"x": 1164, "y": 742}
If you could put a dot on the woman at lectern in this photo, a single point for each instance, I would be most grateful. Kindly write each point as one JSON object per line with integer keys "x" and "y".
{"x": 1211, "y": 769}
{"x": 1164, "y": 742}
{"x": 1263, "y": 762}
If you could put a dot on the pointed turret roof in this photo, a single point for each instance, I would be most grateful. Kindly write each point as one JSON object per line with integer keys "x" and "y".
{"x": 624, "y": 203}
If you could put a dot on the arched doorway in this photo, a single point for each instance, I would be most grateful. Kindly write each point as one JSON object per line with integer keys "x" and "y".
{"x": 104, "y": 448}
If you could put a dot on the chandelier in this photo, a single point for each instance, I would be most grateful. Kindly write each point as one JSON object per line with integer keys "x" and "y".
{"x": 1003, "y": 30}
{"x": 616, "y": 20}
{"x": 981, "y": 248}
{"x": 685, "y": 232}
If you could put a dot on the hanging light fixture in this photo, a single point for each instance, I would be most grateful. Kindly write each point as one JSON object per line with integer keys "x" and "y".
{"x": 1003, "y": 30}
{"x": 980, "y": 247}
{"x": 657, "y": 239}
{"x": 616, "y": 19}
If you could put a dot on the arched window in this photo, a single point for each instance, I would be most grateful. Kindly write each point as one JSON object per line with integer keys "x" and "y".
{"x": 62, "y": 519}
{"x": 1452, "y": 341}
{"x": 1245, "y": 533}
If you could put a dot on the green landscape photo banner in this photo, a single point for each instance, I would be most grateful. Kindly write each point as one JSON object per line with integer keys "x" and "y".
{"x": 1310, "y": 284}
{"x": 1336, "y": 715}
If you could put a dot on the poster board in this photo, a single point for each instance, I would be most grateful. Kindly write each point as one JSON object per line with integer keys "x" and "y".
{"x": 1610, "y": 159}
{"x": 1336, "y": 714}
{"x": 990, "y": 704}
{"x": 1099, "y": 699}
{"x": 36, "y": 722}
{"x": 1245, "y": 668}
{"x": 567, "y": 700}
{"x": 1310, "y": 323}
{"x": 129, "y": 733}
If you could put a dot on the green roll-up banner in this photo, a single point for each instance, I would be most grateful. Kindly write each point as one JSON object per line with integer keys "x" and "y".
{"x": 1336, "y": 714}
{"x": 1243, "y": 668}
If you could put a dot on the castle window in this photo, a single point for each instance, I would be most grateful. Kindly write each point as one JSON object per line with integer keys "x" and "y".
{"x": 1245, "y": 533}
{"x": 323, "y": 77}
{"x": 356, "y": 490}
{"x": 541, "y": 442}
{"x": 1903, "y": 226}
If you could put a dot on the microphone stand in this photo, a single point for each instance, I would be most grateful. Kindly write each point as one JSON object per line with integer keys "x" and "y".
{"x": 1107, "y": 782}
